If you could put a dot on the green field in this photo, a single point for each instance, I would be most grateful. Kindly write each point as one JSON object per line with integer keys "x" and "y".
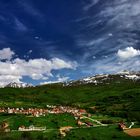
{"x": 110, "y": 103}
{"x": 50, "y": 121}
{"x": 99, "y": 133}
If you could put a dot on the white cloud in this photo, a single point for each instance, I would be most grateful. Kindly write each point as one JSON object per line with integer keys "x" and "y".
{"x": 30, "y": 51}
{"x": 49, "y": 82}
{"x": 91, "y": 4}
{"x": 123, "y": 13}
{"x": 110, "y": 34}
{"x": 14, "y": 70}
{"x": 132, "y": 65}
{"x": 62, "y": 79}
{"x": 37, "y": 68}
{"x": 120, "y": 18}
{"x": 59, "y": 79}
{"x": 6, "y": 79}
{"x": 128, "y": 52}
{"x": 19, "y": 25}
{"x": 112, "y": 64}
{"x": 36, "y": 37}
{"x": 60, "y": 64}
{"x": 6, "y": 54}
{"x": 30, "y": 8}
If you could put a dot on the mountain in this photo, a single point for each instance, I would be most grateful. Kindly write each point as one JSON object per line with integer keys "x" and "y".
{"x": 109, "y": 94}
{"x": 105, "y": 78}
{"x": 99, "y": 79}
{"x": 18, "y": 85}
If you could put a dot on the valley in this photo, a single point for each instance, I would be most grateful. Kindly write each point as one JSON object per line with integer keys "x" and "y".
{"x": 101, "y": 110}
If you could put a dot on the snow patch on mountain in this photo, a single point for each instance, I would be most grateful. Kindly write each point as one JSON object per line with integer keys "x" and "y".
{"x": 18, "y": 85}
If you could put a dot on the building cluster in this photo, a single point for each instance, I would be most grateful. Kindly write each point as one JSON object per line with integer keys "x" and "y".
{"x": 67, "y": 109}
{"x": 30, "y": 111}
{"x": 36, "y": 112}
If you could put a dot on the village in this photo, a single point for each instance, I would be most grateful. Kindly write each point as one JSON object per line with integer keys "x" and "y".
{"x": 83, "y": 119}
{"x": 78, "y": 114}
{"x": 37, "y": 112}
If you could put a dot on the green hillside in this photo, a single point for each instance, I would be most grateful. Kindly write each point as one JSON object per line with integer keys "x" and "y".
{"x": 119, "y": 98}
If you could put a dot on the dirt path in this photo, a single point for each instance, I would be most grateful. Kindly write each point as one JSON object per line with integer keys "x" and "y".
{"x": 133, "y": 132}
{"x": 132, "y": 124}
{"x": 98, "y": 122}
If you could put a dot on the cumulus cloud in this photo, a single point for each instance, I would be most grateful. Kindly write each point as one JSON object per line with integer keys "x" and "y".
{"x": 6, "y": 79}
{"x": 6, "y": 54}
{"x": 37, "y": 69}
{"x": 128, "y": 52}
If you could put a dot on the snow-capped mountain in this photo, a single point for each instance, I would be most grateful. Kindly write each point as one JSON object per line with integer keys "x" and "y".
{"x": 95, "y": 80}
{"x": 106, "y": 78}
{"x": 92, "y": 79}
{"x": 18, "y": 85}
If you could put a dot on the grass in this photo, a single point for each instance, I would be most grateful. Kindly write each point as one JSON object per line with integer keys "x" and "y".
{"x": 115, "y": 101}
{"x": 51, "y": 121}
{"x": 98, "y": 133}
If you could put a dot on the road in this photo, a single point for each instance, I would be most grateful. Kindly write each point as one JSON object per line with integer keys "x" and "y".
{"x": 98, "y": 122}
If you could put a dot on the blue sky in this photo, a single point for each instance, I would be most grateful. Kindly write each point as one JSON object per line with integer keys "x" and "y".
{"x": 49, "y": 40}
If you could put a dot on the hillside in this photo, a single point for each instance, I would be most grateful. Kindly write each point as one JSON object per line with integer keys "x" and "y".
{"x": 115, "y": 96}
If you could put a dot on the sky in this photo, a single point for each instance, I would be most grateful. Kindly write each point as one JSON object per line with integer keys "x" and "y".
{"x": 43, "y": 41}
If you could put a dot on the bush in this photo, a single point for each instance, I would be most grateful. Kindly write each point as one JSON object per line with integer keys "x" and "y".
{"x": 107, "y": 121}
{"x": 26, "y": 136}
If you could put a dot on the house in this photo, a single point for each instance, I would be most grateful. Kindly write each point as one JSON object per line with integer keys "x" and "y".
{"x": 89, "y": 123}
{"x": 64, "y": 130}
{"x": 80, "y": 123}
{"x": 5, "y": 127}
{"x": 31, "y": 128}
{"x": 122, "y": 126}
{"x": 10, "y": 111}
{"x": 82, "y": 111}
{"x": 21, "y": 128}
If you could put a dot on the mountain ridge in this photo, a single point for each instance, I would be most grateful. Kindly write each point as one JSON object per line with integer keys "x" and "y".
{"x": 95, "y": 79}
{"x": 18, "y": 85}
